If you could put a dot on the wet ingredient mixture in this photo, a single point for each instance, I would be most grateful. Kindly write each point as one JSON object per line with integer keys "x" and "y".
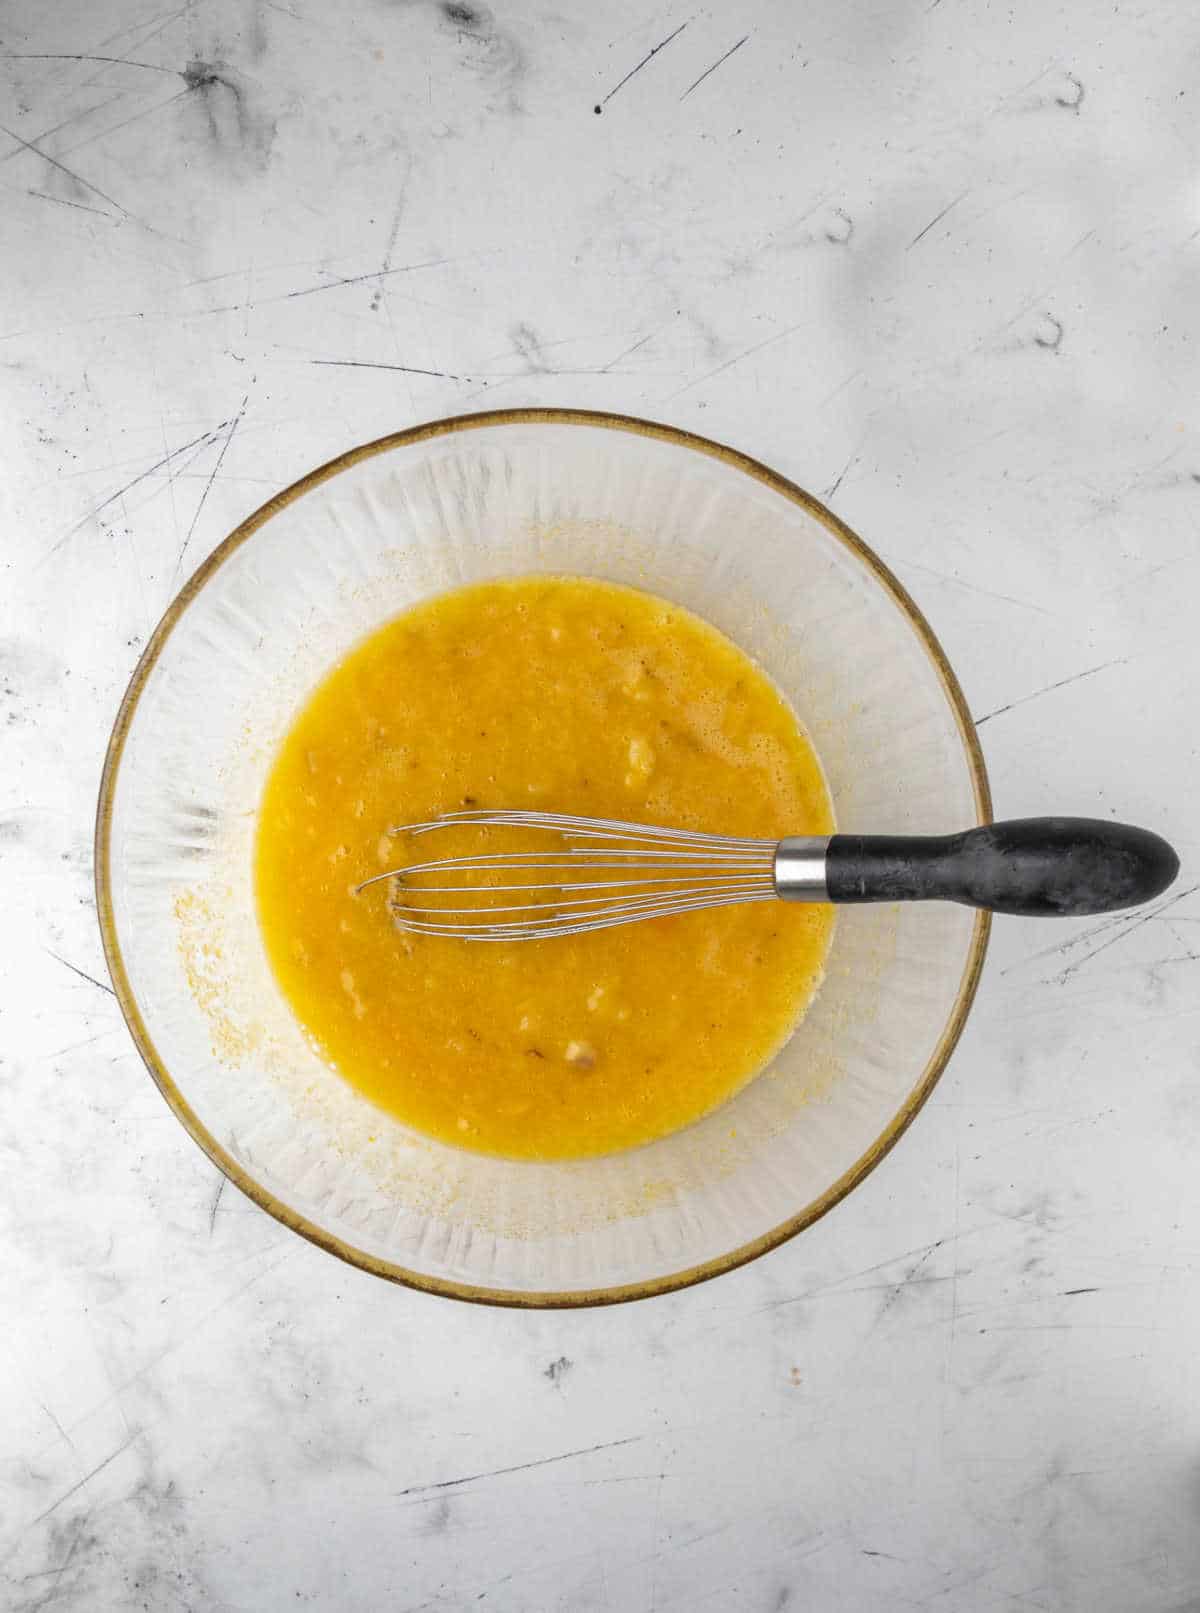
{"x": 564, "y": 694}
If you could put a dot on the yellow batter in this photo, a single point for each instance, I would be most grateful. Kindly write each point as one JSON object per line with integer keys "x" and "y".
{"x": 562, "y": 694}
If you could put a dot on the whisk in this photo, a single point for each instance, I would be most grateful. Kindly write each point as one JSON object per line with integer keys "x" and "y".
{"x": 594, "y": 873}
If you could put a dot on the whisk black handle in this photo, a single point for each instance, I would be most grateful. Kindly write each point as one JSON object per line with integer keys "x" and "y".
{"x": 1063, "y": 867}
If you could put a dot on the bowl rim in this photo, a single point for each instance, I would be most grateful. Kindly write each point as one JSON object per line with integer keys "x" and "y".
{"x": 236, "y": 1173}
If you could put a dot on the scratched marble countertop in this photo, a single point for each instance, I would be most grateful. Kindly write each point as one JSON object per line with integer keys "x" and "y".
{"x": 937, "y": 263}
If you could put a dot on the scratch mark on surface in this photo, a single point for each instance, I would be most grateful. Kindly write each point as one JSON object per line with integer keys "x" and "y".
{"x": 100, "y": 212}
{"x": 845, "y": 471}
{"x": 604, "y": 369}
{"x": 1153, "y": 571}
{"x": 1068, "y": 1293}
{"x": 82, "y": 973}
{"x": 1074, "y": 941}
{"x": 840, "y": 387}
{"x": 86, "y": 1042}
{"x": 56, "y": 56}
{"x": 876, "y": 1288}
{"x": 714, "y": 66}
{"x": 1189, "y": 954}
{"x": 902, "y": 563}
{"x": 229, "y": 436}
{"x": 162, "y": 426}
{"x": 212, "y": 1214}
{"x": 136, "y": 117}
{"x": 737, "y": 359}
{"x": 1124, "y": 934}
{"x": 1037, "y": 693}
{"x": 634, "y": 71}
{"x": 836, "y": 1289}
{"x": 368, "y": 364}
{"x": 937, "y": 219}
{"x": 654, "y": 1553}
{"x": 1027, "y": 85}
{"x": 187, "y": 1339}
{"x": 52, "y": 1594}
{"x": 393, "y": 234}
{"x": 898, "y": 1288}
{"x": 76, "y": 179}
{"x": 87, "y": 1478}
{"x": 521, "y": 1467}
{"x": 240, "y": 307}
{"x": 62, "y": 1431}
{"x": 354, "y": 280}
{"x": 335, "y": 284}
{"x": 204, "y": 437}
{"x": 84, "y": 112}
{"x": 1071, "y": 1327}
{"x": 954, "y": 1252}
{"x": 163, "y": 22}
{"x": 225, "y": 1303}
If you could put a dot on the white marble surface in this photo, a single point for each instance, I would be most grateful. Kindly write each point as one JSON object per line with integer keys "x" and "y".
{"x": 935, "y": 261}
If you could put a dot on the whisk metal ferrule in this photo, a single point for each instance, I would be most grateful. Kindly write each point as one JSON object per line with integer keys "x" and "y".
{"x": 799, "y": 870}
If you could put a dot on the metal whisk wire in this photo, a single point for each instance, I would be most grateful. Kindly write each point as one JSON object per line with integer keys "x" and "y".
{"x": 667, "y": 871}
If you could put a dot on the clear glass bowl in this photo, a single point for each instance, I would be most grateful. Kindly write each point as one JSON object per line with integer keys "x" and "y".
{"x": 288, "y": 594}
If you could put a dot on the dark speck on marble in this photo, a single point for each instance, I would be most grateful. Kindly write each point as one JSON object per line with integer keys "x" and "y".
{"x": 234, "y": 126}
{"x": 1071, "y": 95}
{"x": 491, "y": 53}
{"x": 528, "y": 344}
{"x": 462, "y": 16}
{"x": 12, "y": 830}
{"x": 438, "y": 1519}
{"x": 199, "y": 75}
{"x": 1049, "y": 333}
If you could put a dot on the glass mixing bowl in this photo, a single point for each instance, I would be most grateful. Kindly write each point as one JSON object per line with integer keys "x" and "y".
{"x": 259, "y": 625}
